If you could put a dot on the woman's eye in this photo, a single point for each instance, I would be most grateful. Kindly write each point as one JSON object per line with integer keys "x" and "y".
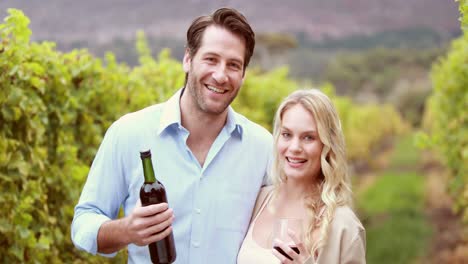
{"x": 286, "y": 135}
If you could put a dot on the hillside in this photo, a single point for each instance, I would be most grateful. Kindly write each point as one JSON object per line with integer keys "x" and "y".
{"x": 68, "y": 21}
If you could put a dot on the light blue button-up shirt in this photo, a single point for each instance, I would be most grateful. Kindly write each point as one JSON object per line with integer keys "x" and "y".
{"x": 212, "y": 204}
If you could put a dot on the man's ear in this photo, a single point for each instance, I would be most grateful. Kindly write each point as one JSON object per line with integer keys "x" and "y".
{"x": 243, "y": 77}
{"x": 186, "y": 61}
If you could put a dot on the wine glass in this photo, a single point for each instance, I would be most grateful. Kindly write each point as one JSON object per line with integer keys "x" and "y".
{"x": 280, "y": 231}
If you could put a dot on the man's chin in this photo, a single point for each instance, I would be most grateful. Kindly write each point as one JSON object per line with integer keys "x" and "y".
{"x": 215, "y": 110}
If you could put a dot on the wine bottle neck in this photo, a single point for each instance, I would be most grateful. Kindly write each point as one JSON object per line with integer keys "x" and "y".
{"x": 148, "y": 170}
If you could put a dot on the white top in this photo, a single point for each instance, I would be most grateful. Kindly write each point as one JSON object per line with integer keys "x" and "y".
{"x": 346, "y": 243}
{"x": 251, "y": 251}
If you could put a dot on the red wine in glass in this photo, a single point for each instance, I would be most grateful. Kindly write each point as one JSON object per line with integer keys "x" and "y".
{"x": 284, "y": 253}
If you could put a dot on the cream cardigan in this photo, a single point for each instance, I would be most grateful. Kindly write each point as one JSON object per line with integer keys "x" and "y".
{"x": 346, "y": 243}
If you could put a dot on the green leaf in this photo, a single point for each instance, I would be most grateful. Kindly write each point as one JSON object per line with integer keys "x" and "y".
{"x": 18, "y": 251}
{"x": 22, "y": 166}
{"x": 23, "y": 232}
{"x": 44, "y": 242}
{"x": 5, "y": 226}
{"x": 11, "y": 113}
{"x": 422, "y": 140}
{"x": 38, "y": 83}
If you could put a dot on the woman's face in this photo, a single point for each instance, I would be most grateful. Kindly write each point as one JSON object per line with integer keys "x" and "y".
{"x": 299, "y": 146}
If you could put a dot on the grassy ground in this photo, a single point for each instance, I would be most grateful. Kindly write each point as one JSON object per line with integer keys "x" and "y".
{"x": 392, "y": 209}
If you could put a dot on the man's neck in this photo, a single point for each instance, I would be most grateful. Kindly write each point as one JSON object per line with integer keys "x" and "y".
{"x": 203, "y": 127}
{"x": 200, "y": 123}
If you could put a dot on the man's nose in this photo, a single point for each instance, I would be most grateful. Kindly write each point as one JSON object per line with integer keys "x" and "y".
{"x": 220, "y": 75}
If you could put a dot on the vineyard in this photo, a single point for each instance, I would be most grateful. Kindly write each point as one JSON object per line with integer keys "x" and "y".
{"x": 56, "y": 107}
{"x": 447, "y": 115}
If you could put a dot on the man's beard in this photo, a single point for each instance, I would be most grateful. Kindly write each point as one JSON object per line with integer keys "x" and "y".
{"x": 195, "y": 89}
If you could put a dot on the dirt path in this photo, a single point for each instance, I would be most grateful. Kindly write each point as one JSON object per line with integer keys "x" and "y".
{"x": 447, "y": 245}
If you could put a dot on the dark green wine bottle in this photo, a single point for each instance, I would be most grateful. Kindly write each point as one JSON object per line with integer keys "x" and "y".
{"x": 153, "y": 192}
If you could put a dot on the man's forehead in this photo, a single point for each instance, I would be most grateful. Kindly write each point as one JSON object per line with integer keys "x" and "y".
{"x": 218, "y": 40}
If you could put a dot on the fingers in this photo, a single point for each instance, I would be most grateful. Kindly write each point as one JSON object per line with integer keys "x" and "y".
{"x": 299, "y": 244}
{"x": 152, "y": 209}
{"x": 150, "y": 223}
{"x": 283, "y": 252}
{"x": 157, "y": 232}
{"x": 157, "y": 228}
{"x": 282, "y": 259}
{"x": 154, "y": 221}
{"x": 159, "y": 236}
{"x": 291, "y": 255}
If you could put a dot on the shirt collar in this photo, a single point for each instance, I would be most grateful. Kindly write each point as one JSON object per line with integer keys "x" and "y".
{"x": 171, "y": 112}
{"x": 171, "y": 116}
{"x": 233, "y": 124}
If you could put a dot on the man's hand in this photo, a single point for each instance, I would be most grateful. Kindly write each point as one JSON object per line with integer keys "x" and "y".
{"x": 149, "y": 224}
{"x": 143, "y": 226}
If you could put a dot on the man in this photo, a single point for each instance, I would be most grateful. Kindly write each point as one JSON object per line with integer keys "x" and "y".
{"x": 211, "y": 160}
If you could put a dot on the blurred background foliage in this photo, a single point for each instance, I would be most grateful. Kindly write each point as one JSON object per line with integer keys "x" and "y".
{"x": 392, "y": 90}
{"x": 448, "y": 111}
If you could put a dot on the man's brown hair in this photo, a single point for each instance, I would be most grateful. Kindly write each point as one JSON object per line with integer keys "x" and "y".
{"x": 227, "y": 18}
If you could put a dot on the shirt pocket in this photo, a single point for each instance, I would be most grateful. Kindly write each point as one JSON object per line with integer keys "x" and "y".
{"x": 233, "y": 210}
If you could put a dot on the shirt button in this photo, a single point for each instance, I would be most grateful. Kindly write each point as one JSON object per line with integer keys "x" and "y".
{"x": 197, "y": 210}
{"x": 196, "y": 244}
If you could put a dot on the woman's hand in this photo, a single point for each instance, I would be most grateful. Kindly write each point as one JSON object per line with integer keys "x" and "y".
{"x": 294, "y": 257}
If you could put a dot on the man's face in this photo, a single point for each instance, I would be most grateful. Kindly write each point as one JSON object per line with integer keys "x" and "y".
{"x": 215, "y": 73}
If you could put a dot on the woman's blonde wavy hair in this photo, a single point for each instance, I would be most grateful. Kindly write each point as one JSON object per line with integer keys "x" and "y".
{"x": 333, "y": 183}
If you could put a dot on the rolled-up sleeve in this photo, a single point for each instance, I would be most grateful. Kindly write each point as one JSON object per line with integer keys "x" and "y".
{"x": 84, "y": 232}
{"x": 102, "y": 195}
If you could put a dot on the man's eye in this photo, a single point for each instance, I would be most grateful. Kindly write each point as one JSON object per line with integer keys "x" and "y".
{"x": 235, "y": 66}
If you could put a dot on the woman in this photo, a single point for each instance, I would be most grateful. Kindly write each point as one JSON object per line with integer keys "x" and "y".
{"x": 310, "y": 182}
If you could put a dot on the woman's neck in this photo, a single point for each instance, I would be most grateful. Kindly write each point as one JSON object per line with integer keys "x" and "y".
{"x": 298, "y": 190}
{"x": 290, "y": 198}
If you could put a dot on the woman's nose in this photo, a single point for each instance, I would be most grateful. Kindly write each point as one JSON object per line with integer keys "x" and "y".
{"x": 295, "y": 145}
